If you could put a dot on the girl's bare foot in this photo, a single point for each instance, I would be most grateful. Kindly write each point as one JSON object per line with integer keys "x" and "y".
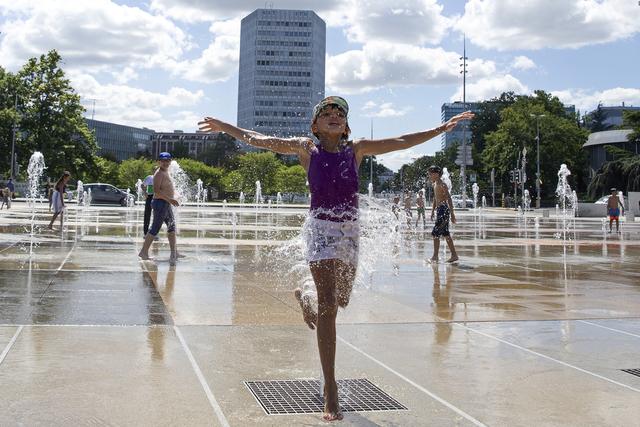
{"x": 454, "y": 258}
{"x": 433, "y": 260}
{"x": 144, "y": 256}
{"x": 332, "y": 410}
{"x": 310, "y": 317}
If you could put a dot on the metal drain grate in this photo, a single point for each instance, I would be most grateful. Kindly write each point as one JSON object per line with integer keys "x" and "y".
{"x": 303, "y": 396}
{"x": 635, "y": 372}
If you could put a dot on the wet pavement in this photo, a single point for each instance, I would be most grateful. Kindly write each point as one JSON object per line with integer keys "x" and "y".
{"x": 532, "y": 326}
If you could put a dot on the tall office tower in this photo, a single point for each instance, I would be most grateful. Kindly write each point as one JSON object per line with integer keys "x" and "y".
{"x": 281, "y": 75}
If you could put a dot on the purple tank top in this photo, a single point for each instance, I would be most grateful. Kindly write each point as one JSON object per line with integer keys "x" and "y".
{"x": 333, "y": 181}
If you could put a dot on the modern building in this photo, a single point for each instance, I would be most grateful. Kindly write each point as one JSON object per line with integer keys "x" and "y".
{"x": 597, "y": 142}
{"x": 191, "y": 143}
{"x": 120, "y": 141}
{"x": 614, "y": 114}
{"x": 281, "y": 71}
{"x": 455, "y": 136}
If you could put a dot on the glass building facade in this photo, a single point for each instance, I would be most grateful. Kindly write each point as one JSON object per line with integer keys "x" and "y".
{"x": 120, "y": 141}
{"x": 281, "y": 71}
{"x": 454, "y": 137}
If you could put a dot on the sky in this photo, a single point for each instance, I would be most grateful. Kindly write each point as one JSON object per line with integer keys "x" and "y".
{"x": 165, "y": 64}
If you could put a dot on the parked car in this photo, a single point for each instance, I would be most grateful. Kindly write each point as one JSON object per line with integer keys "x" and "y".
{"x": 603, "y": 200}
{"x": 106, "y": 193}
{"x": 458, "y": 203}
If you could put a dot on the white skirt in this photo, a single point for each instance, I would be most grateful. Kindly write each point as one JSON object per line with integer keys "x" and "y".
{"x": 56, "y": 202}
{"x": 332, "y": 240}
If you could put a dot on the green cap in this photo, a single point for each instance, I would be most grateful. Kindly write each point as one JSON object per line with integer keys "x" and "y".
{"x": 330, "y": 100}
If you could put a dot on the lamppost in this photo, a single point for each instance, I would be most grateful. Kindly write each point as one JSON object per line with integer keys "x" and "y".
{"x": 463, "y": 164}
{"x": 537, "y": 116}
{"x": 371, "y": 160}
{"x": 13, "y": 141}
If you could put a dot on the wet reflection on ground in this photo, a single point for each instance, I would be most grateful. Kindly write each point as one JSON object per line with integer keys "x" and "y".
{"x": 232, "y": 297}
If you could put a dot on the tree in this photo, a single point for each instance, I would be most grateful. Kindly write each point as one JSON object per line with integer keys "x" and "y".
{"x": 105, "y": 171}
{"x": 595, "y": 120}
{"x": 261, "y": 167}
{"x": 561, "y": 141}
{"x": 291, "y": 179}
{"x": 623, "y": 172}
{"x": 131, "y": 170}
{"x": 220, "y": 152}
{"x": 211, "y": 176}
{"x": 11, "y": 90}
{"x": 52, "y": 121}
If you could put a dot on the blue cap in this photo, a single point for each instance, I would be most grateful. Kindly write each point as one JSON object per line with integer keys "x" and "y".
{"x": 164, "y": 156}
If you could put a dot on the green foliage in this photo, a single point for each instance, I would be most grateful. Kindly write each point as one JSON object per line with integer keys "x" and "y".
{"x": 631, "y": 120}
{"x": 131, "y": 170}
{"x": 210, "y": 176}
{"x": 261, "y": 167}
{"x": 364, "y": 173}
{"x": 105, "y": 171}
{"x": 595, "y": 120}
{"x": 221, "y": 153}
{"x": 51, "y": 118}
{"x": 232, "y": 182}
{"x": 561, "y": 141}
{"x": 623, "y": 172}
{"x": 291, "y": 179}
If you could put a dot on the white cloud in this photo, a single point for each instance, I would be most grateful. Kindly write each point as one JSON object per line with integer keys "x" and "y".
{"x": 208, "y": 10}
{"x": 523, "y": 63}
{"x": 404, "y": 21}
{"x": 95, "y": 35}
{"x": 586, "y": 100}
{"x": 381, "y": 64}
{"x": 396, "y": 159}
{"x": 385, "y": 109}
{"x": 491, "y": 87}
{"x": 217, "y": 62}
{"x": 136, "y": 107}
{"x": 537, "y": 24}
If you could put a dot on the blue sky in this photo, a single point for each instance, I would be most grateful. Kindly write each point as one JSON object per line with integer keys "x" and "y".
{"x": 164, "y": 64}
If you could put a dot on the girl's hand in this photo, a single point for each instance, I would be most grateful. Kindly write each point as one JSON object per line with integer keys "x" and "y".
{"x": 453, "y": 121}
{"x": 453, "y": 218}
{"x": 210, "y": 124}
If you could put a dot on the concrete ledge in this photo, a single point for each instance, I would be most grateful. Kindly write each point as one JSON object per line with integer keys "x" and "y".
{"x": 591, "y": 210}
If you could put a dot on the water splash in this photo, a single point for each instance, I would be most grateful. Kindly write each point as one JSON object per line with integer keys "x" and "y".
{"x": 34, "y": 171}
{"x": 370, "y": 190}
{"x": 257, "y": 199}
{"x": 181, "y": 183}
{"x": 241, "y": 198}
{"x": 139, "y": 190}
{"x": 446, "y": 178}
{"x": 80, "y": 195}
{"x": 199, "y": 191}
{"x": 279, "y": 198}
{"x": 475, "y": 190}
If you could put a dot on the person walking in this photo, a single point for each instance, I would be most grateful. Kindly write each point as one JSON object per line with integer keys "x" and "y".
{"x": 57, "y": 200}
{"x": 443, "y": 207}
{"x": 163, "y": 200}
{"x": 148, "y": 183}
{"x": 333, "y": 227}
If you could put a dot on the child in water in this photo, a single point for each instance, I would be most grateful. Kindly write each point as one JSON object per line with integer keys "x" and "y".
{"x": 332, "y": 248}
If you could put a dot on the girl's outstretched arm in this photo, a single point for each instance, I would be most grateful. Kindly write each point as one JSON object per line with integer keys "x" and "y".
{"x": 366, "y": 147}
{"x": 296, "y": 146}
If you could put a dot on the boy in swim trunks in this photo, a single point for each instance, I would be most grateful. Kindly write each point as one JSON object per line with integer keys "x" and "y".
{"x": 443, "y": 207}
{"x": 613, "y": 210}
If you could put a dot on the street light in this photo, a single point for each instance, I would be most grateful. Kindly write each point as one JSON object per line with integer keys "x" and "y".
{"x": 537, "y": 116}
{"x": 463, "y": 164}
{"x": 13, "y": 141}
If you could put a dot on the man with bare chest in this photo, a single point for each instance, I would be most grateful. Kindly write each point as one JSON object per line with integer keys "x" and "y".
{"x": 163, "y": 200}
{"x": 613, "y": 210}
{"x": 443, "y": 208}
